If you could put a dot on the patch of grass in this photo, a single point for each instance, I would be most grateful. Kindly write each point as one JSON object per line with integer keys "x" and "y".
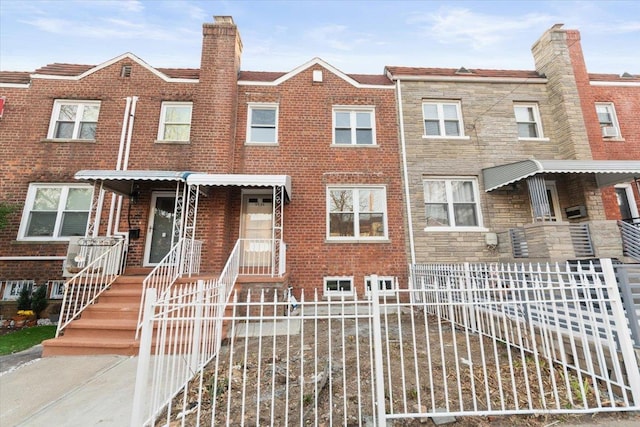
{"x": 25, "y": 338}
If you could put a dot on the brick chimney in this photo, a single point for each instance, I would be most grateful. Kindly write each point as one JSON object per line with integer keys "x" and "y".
{"x": 218, "y": 92}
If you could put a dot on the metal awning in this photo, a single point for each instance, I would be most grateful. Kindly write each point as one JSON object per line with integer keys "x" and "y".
{"x": 607, "y": 172}
{"x": 241, "y": 180}
{"x": 120, "y": 181}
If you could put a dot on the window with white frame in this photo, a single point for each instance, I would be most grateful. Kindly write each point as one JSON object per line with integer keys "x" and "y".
{"x": 262, "y": 124}
{"x": 338, "y": 286}
{"x": 451, "y": 203}
{"x": 353, "y": 126}
{"x": 356, "y": 213}
{"x": 528, "y": 120}
{"x": 74, "y": 120}
{"x": 56, "y": 289}
{"x": 175, "y": 121}
{"x": 12, "y": 288}
{"x": 55, "y": 211}
{"x": 442, "y": 119}
{"x": 386, "y": 285}
{"x": 608, "y": 120}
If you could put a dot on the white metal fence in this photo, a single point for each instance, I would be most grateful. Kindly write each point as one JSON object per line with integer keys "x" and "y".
{"x": 464, "y": 340}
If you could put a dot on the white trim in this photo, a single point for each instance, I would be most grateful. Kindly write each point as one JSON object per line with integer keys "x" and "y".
{"x": 150, "y": 225}
{"x": 356, "y": 238}
{"x": 8, "y": 295}
{"x": 405, "y": 172}
{"x": 351, "y": 109}
{"x": 449, "y": 201}
{"x": 127, "y": 55}
{"x": 534, "y": 80}
{"x": 261, "y": 106}
{"x": 440, "y": 103}
{"x": 611, "y": 110}
{"x": 16, "y": 85}
{"x": 631, "y": 198}
{"x": 598, "y": 83}
{"x": 314, "y": 61}
{"x": 385, "y": 292}
{"x": 55, "y": 289}
{"x": 537, "y": 119}
{"x": 81, "y": 103}
{"x": 337, "y": 293}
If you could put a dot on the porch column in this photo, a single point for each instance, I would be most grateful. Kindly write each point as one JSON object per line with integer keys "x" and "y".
{"x": 539, "y": 198}
{"x": 278, "y": 211}
{"x": 95, "y": 211}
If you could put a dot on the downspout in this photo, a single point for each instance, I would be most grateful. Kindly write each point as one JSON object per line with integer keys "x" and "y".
{"x": 405, "y": 173}
{"x": 125, "y": 159}
{"x": 123, "y": 134}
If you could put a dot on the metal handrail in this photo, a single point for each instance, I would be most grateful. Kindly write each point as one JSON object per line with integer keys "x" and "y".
{"x": 88, "y": 284}
{"x": 630, "y": 239}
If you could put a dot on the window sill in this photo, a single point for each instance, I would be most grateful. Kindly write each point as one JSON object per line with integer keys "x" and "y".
{"x": 261, "y": 144}
{"x": 456, "y": 229}
{"x": 44, "y": 241}
{"x": 168, "y": 142}
{"x": 462, "y": 138}
{"x": 355, "y": 145}
{"x": 358, "y": 241}
{"x": 62, "y": 141}
{"x": 534, "y": 139}
{"x": 615, "y": 139}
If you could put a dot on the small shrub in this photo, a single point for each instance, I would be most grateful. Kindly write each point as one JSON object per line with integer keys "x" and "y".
{"x": 39, "y": 300}
{"x": 24, "y": 298}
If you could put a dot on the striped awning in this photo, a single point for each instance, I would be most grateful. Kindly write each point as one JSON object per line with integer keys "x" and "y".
{"x": 242, "y": 180}
{"x": 607, "y": 172}
{"x": 121, "y": 181}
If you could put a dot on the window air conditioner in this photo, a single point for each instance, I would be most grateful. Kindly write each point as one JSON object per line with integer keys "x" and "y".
{"x": 609, "y": 131}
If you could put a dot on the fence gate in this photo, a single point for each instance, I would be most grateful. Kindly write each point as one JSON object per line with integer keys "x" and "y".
{"x": 464, "y": 340}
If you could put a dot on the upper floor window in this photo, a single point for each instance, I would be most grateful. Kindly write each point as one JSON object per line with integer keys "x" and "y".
{"x": 55, "y": 211}
{"x": 356, "y": 213}
{"x": 74, "y": 120}
{"x": 353, "y": 126}
{"x": 451, "y": 203}
{"x": 608, "y": 120}
{"x": 175, "y": 121}
{"x": 442, "y": 119}
{"x": 262, "y": 124}
{"x": 528, "y": 120}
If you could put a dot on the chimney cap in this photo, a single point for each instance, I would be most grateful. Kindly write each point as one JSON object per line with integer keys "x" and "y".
{"x": 223, "y": 19}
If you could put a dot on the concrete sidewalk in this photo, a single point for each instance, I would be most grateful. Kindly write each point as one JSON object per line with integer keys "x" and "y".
{"x": 67, "y": 391}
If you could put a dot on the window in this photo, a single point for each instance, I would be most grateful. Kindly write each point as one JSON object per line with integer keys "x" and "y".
{"x": 55, "y": 211}
{"x": 387, "y": 285}
{"x": 528, "y": 120}
{"x": 56, "y": 289}
{"x": 74, "y": 120}
{"x": 608, "y": 120}
{"x": 353, "y": 126}
{"x": 356, "y": 213}
{"x": 12, "y": 288}
{"x": 451, "y": 202}
{"x": 262, "y": 124}
{"x": 442, "y": 119}
{"x": 175, "y": 121}
{"x": 338, "y": 286}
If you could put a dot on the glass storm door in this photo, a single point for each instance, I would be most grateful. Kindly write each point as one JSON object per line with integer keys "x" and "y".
{"x": 256, "y": 229}
{"x": 161, "y": 217}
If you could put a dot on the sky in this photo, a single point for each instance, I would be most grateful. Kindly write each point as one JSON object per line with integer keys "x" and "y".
{"x": 354, "y": 36}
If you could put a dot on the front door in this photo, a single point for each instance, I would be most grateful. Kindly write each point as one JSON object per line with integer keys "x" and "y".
{"x": 160, "y": 229}
{"x": 256, "y": 230}
{"x": 626, "y": 202}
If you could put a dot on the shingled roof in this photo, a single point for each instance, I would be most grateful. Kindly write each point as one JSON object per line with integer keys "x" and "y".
{"x": 15, "y": 77}
{"x": 461, "y": 72}
{"x": 626, "y": 77}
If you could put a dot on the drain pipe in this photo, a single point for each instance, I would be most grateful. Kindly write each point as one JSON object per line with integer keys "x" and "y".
{"x": 405, "y": 173}
{"x": 123, "y": 134}
{"x": 125, "y": 159}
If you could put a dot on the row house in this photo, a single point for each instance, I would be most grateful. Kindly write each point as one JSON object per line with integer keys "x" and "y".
{"x": 297, "y": 172}
{"x": 499, "y": 166}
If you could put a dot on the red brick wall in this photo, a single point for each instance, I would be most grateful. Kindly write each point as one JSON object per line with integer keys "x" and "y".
{"x": 626, "y": 100}
{"x": 305, "y": 153}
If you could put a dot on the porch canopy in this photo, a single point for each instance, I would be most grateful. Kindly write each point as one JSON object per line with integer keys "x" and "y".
{"x": 607, "y": 172}
{"x": 241, "y": 180}
{"x": 121, "y": 181}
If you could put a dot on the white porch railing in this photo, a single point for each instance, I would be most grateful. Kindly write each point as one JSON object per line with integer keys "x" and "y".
{"x": 181, "y": 332}
{"x": 183, "y": 258}
{"x": 263, "y": 257}
{"x": 88, "y": 284}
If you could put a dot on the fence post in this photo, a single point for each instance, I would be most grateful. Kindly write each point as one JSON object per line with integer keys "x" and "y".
{"x": 140, "y": 394}
{"x": 197, "y": 328}
{"x": 626, "y": 345}
{"x": 629, "y": 305}
{"x": 377, "y": 350}
{"x": 469, "y": 307}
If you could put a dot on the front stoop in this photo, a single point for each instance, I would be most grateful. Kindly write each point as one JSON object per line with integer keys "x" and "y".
{"x": 106, "y": 327}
